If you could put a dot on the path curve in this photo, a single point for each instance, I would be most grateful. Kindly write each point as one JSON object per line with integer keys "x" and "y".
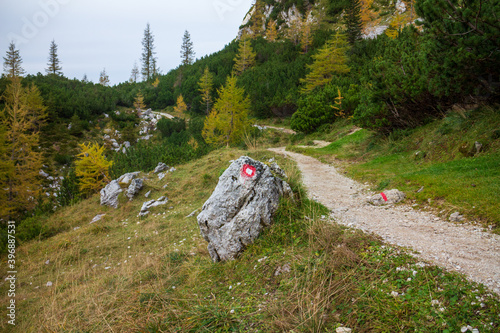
{"x": 463, "y": 248}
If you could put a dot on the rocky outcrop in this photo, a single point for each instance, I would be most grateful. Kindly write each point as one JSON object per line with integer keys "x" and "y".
{"x": 242, "y": 204}
{"x": 161, "y": 167}
{"x": 387, "y": 197}
{"x": 134, "y": 188}
{"x": 109, "y": 194}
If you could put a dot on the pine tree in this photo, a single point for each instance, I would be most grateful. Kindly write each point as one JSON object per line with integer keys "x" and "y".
{"x": 180, "y": 107}
{"x": 104, "y": 78}
{"x": 148, "y": 59}
{"x": 54, "y": 63}
{"x": 92, "y": 168}
{"x": 139, "y": 102}
{"x": 24, "y": 114}
{"x": 205, "y": 87}
{"x": 228, "y": 120}
{"x": 245, "y": 58}
{"x": 135, "y": 73}
{"x": 12, "y": 62}
{"x": 7, "y": 170}
{"x": 271, "y": 32}
{"x": 187, "y": 51}
{"x": 353, "y": 21}
{"x": 331, "y": 59}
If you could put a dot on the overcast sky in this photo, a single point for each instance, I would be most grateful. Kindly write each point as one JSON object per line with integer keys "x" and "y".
{"x": 95, "y": 34}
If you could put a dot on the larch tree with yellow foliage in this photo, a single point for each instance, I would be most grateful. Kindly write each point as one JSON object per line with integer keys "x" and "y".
{"x": 330, "y": 60}
{"x": 180, "y": 107}
{"x": 92, "y": 168}
{"x": 139, "y": 102}
{"x": 205, "y": 85}
{"x": 271, "y": 31}
{"x": 306, "y": 32}
{"x": 228, "y": 120}
{"x": 257, "y": 24}
{"x": 245, "y": 58}
{"x": 23, "y": 116}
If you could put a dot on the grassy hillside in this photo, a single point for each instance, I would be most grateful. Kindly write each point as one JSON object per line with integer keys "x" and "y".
{"x": 304, "y": 274}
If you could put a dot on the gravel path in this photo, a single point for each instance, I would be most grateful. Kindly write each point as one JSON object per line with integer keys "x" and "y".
{"x": 463, "y": 248}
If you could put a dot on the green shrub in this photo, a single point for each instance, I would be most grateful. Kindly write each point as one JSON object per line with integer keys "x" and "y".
{"x": 167, "y": 127}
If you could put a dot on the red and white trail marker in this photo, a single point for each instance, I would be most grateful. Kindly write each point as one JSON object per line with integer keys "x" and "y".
{"x": 248, "y": 171}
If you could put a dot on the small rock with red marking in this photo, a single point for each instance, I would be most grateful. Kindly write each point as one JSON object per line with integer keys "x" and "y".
{"x": 387, "y": 197}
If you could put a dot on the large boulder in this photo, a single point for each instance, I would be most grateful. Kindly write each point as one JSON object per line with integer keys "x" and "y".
{"x": 242, "y": 204}
{"x": 109, "y": 194}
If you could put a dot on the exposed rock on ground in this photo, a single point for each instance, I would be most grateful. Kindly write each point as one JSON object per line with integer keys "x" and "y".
{"x": 161, "y": 167}
{"x": 134, "y": 188}
{"x": 150, "y": 204}
{"x": 109, "y": 194}
{"x": 387, "y": 197}
{"x": 242, "y": 204}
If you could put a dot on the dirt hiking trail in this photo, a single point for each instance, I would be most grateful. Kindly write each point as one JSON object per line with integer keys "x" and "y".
{"x": 463, "y": 248}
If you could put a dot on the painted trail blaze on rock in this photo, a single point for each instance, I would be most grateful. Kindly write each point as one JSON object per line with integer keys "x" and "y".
{"x": 242, "y": 204}
{"x": 248, "y": 171}
{"x": 384, "y": 196}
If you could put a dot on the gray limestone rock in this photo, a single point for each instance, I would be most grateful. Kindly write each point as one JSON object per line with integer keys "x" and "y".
{"x": 387, "y": 197}
{"x": 161, "y": 167}
{"x": 134, "y": 187}
{"x": 242, "y": 204}
{"x": 109, "y": 194}
{"x": 150, "y": 204}
{"x": 456, "y": 217}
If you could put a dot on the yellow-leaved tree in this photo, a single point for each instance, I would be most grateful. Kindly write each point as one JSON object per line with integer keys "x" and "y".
{"x": 245, "y": 58}
{"x": 205, "y": 85}
{"x": 228, "y": 120}
{"x": 139, "y": 102}
{"x": 331, "y": 59}
{"x": 181, "y": 106}
{"x": 92, "y": 168}
{"x": 271, "y": 31}
{"x": 23, "y": 116}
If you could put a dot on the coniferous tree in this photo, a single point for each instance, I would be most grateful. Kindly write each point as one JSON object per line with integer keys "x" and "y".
{"x": 92, "y": 168}
{"x": 271, "y": 32}
{"x": 306, "y": 34}
{"x": 187, "y": 51}
{"x": 228, "y": 120}
{"x": 245, "y": 58}
{"x": 139, "y": 102}
{"x": 54, "y": 63}
{"x": 148, "y": 59}
{"x": 331, "y": 59}
{"x": 257, "y": 20}
{"x": 205, "y": 87}
{"x": 180, "y": 106}
{"x": 135, "y": 73}
{"x": 104, "y": 78}
{"x": 353, "y": 21}
{"x": 24, "y": 114}
{"x": 12, "y": 62}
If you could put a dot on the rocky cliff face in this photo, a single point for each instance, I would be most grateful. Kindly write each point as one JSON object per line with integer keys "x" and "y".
{"x": 377, "y": 16}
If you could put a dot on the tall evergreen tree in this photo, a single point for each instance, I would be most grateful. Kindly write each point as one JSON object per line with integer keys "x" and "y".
{"x": 271, "y": 32}
{"x": 24, "y": 114}
{"x": 12, "y": 62}
{"x": 257, "y": 20}
{"x": 205, "y": 87}
{"x": 187, "y": 51}
{"x": 353, "y": 21}
{"x": 54, "y": 63}
{"x": 149, "y": 69}
{"x": 245, "y": 58}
